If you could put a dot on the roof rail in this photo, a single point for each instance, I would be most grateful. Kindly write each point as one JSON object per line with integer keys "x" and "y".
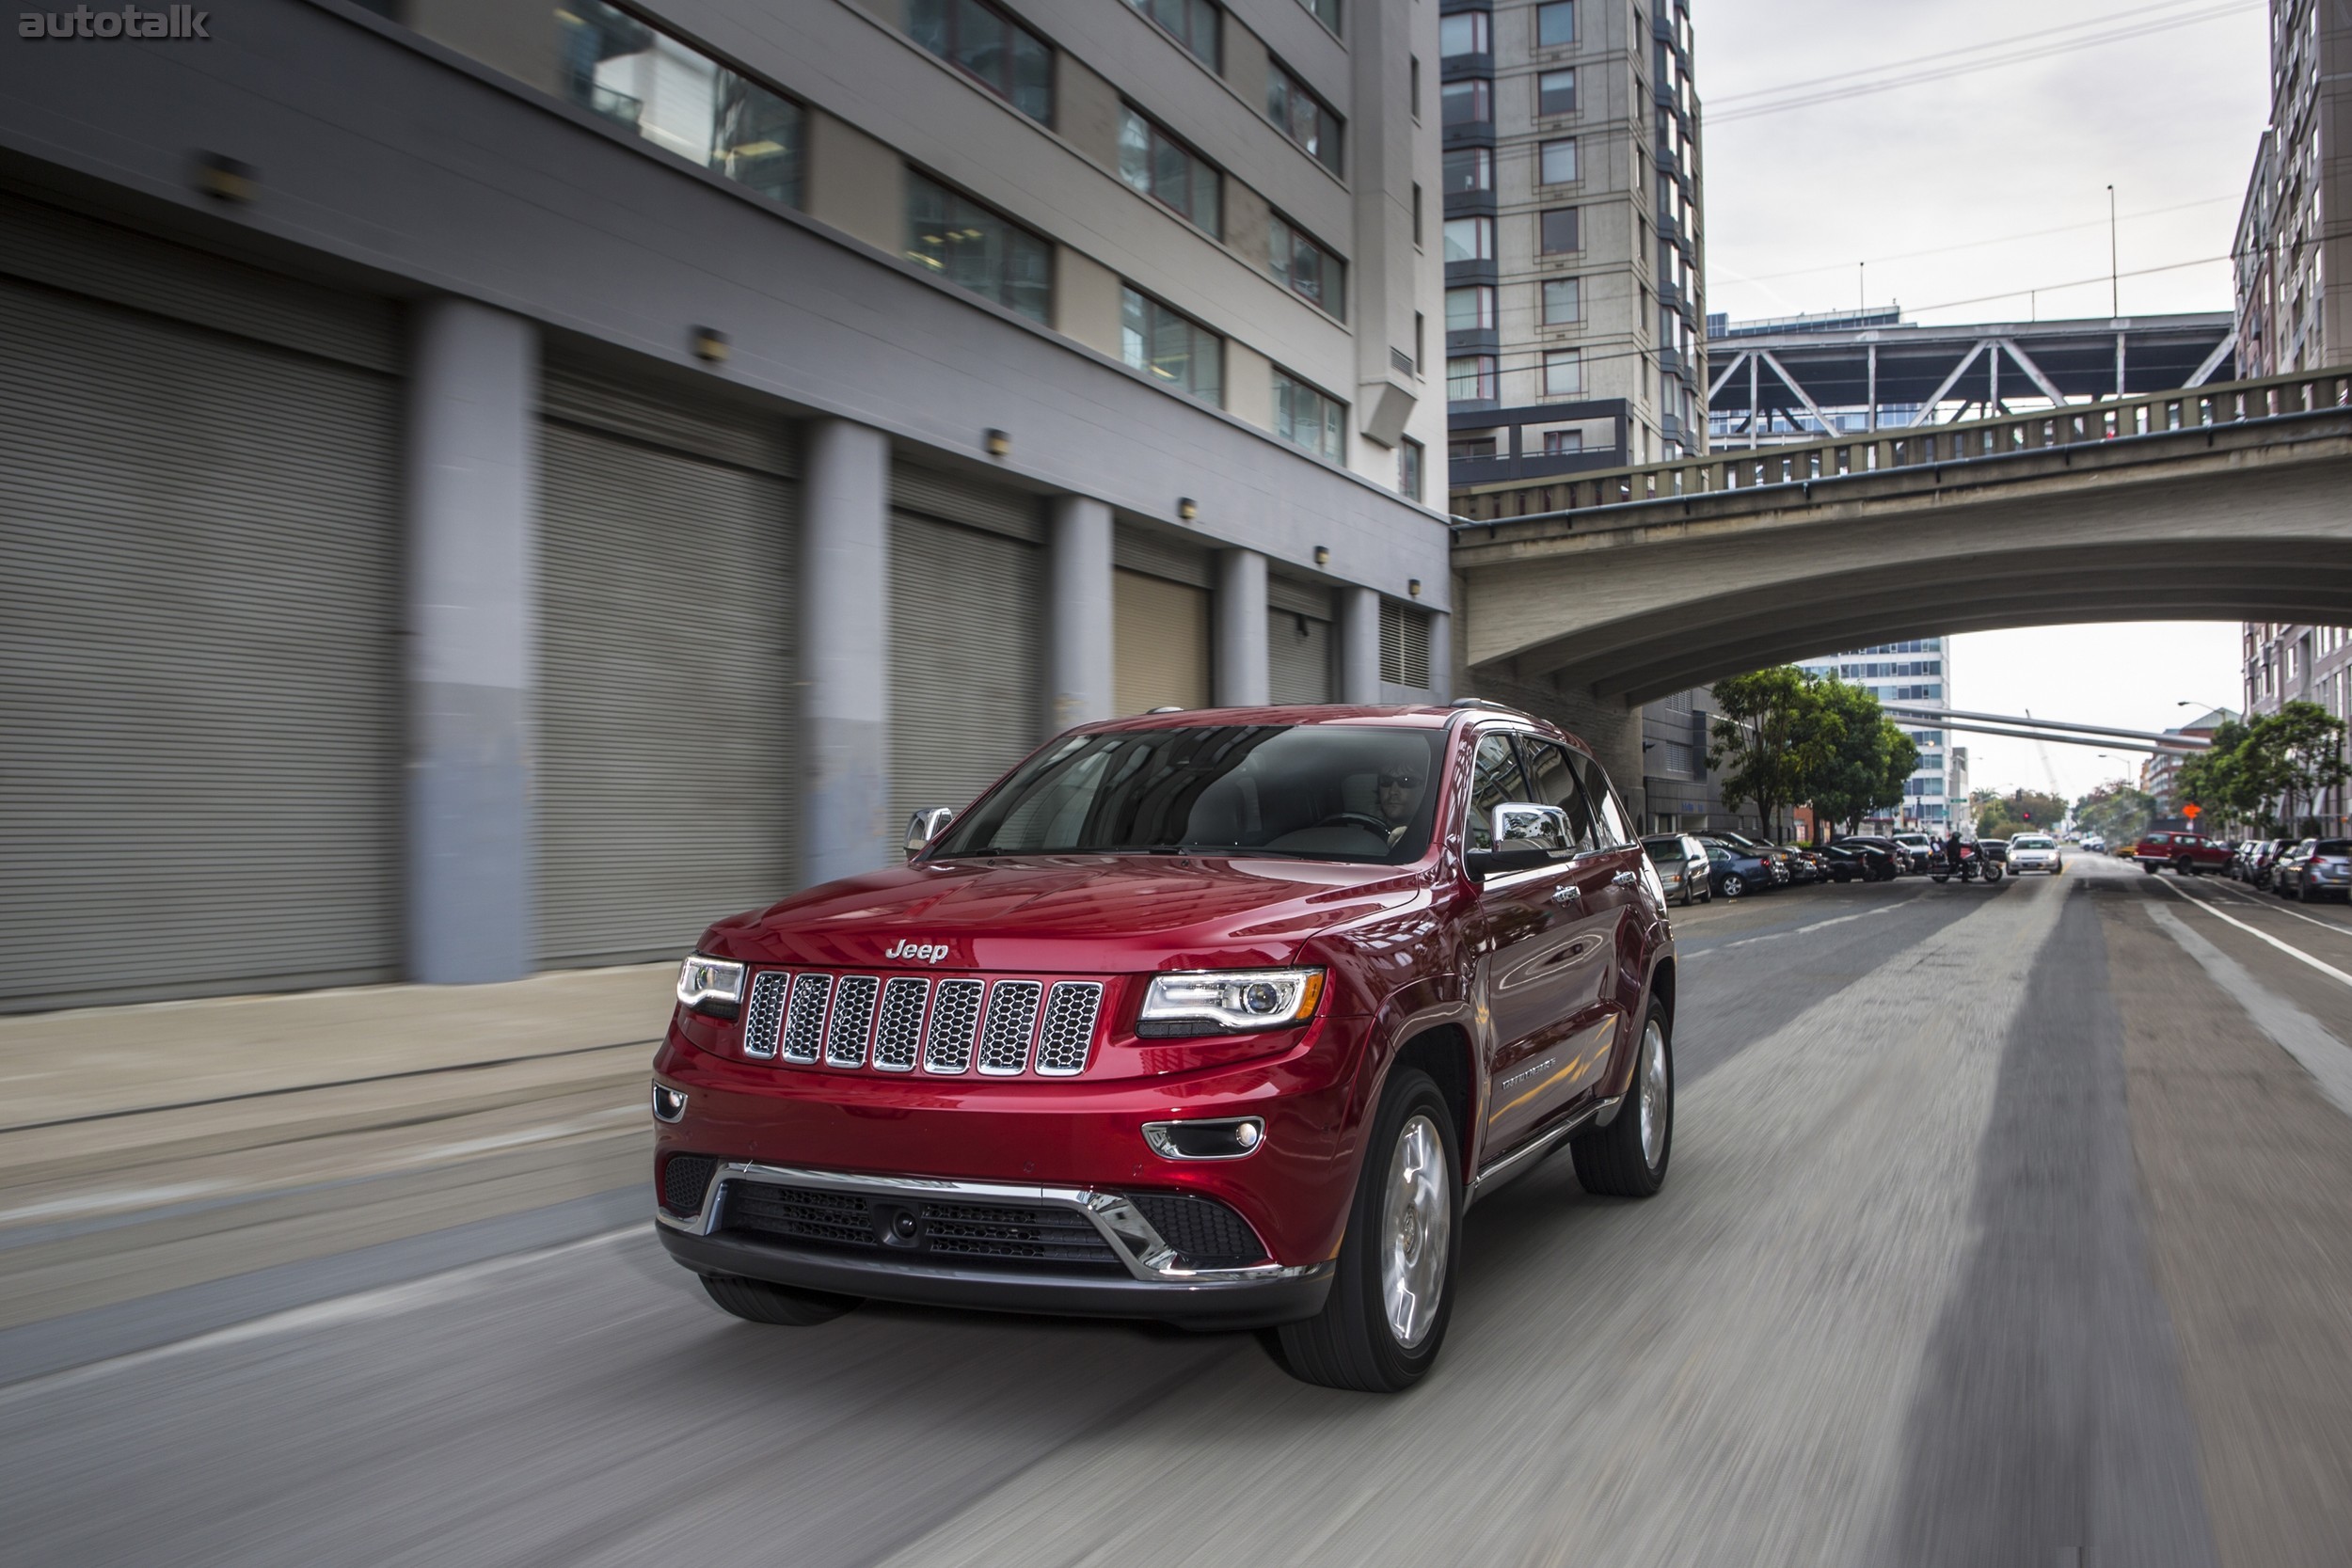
{"x": 1148, "y": 712}
{"x": 1481, "y": 702}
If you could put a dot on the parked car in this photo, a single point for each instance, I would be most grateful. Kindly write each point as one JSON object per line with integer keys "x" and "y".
{"x": 1919, "y": 846}
{"x": 1994, "y": 849}
{"x": 2242, "y": 858}
{"x": 1897, "y": 855}
{"x": 2035, "y": 852}
{"x": 2191, "y": 854}
{"x": 1772, "y": 855}
{"x": 2267, "y": 864}
{"x": 1682, "y": 866}
{"x": 1217, "y": 1019}
{"x": 1806, "y": 864}
{"x": 1738, "y": 870}
{"x": 2093, "y": 844}
{"x": 2317, "y": 868}
{"x": 1851, "y": 862}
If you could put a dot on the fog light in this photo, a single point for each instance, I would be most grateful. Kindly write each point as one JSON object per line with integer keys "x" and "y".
{"x": 669, "y": 1104}
{"x": 1205, "y": 1140}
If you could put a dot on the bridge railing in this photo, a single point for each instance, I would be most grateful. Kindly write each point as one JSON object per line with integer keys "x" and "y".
{"x": 2151, "y": 414}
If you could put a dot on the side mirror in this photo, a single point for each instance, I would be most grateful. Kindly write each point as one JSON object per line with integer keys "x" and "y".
{"x": 924, "y": 827}
{"x": 1526, "y": 836}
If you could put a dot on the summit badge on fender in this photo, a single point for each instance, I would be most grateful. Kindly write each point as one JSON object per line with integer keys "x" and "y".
{"x": 919, "y": 952}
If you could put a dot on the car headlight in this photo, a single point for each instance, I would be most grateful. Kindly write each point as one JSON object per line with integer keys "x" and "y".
{"x": 713, "y": 986}
{"x": 1231, "y": 1000}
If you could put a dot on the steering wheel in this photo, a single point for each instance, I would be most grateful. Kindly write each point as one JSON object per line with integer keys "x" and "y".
{"x": 1356, "y": 820}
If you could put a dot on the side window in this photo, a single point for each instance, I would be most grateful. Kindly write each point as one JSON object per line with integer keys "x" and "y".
{"x": 1555, "y": 785}
{"x": 1610, "y": 826}
{"x": 1494, "y": 781}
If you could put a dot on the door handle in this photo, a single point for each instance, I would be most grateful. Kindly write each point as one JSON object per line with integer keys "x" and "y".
{"x": 1624, "y": 879}
{"x": 1567, "y": 894}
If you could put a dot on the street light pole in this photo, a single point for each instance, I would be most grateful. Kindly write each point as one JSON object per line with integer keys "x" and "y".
{"x": 2115, "y": 278}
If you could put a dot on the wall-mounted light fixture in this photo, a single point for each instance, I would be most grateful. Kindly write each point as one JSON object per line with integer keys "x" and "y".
{"x": 1188, "y": 508}
{"x": 1322, "y": 555}
{"x": 1413, "y": 588}
{"x": 224, "y": 179}
{"x": 710, "y": 345}
{"x": 997, "y": 442}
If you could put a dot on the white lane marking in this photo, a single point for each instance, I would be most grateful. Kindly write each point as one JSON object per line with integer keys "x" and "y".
{"x": 2278, "y": 907}
{"x": 2292, "y": 952}
{"x": 525, "y": 1135}
{"x": 382, "y": 1302}
{"x": 1801, "y": 930}
{"x": 2328, "y": 1059}
{"x": 113, "y": 1200}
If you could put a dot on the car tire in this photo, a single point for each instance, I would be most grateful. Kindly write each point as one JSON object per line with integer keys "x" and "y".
{"x": 2304, "y": 894}
{"x": 757, "y": 1301}
{"x": 1734, "y": 887}
{"x": 1628, "y": 1158}
{"x": 1377, "y": 1332}
{"x": 1688, "y": 897}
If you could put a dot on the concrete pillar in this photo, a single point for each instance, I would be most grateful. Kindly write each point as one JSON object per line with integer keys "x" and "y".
{"x": 1360, "y": 646}
{"x": 1441, "y": 656}
{"x": 845, "y": 651}
{"x": 472, "y": 627}
{"x": 1241, "y": 629}
{"x": 1080, "y": 664}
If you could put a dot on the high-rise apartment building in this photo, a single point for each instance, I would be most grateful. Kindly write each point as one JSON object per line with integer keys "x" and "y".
{"x": 2295, "y": 231}
{"x": 2294, "y": 663}
{"x": 1916, "y": 672}
{"x": 537, "y": 474}
{"x": 1574, "y": 244}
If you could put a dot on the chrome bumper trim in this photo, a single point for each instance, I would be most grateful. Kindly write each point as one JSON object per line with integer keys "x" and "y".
{"x": 1147, "y": 1257}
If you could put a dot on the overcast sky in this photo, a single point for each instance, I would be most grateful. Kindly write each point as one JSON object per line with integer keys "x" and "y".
{"x": 1909, "y": 182}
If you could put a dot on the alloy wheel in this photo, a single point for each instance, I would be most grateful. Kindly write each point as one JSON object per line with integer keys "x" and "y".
{"x": 1417, "y": 1225}
{"x": 1653, "y": 1091}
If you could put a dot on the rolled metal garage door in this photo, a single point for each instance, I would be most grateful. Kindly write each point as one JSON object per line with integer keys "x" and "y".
{"x": 668, "y": 772}
{"x": 1300, "y": 642}
{"x": 967, "y": 611}
{"x": 199, "y": 735}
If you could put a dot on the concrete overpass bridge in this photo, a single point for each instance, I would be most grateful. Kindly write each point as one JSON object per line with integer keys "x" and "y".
{"x": 1607, "y": 590}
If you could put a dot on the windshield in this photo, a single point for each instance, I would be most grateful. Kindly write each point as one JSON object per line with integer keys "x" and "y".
{"x": 1307, "y": 791}
{"x": 2027, "y": 843}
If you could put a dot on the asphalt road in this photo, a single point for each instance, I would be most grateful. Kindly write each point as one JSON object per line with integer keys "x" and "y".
{"x": 2007, "y": 1226}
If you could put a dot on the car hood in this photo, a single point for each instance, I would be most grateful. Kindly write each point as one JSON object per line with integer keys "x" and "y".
{"x": 1087, "y": 914}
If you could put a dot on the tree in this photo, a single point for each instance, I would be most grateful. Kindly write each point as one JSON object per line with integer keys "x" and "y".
{"x": 2020, "y": 810}
{"x": 2116, "y": 811}
{"x": 2300, "y": 754}
{"x": 2225, "y": 782}
{"x": 1770, "y": 739}
{"x": 1867, "y": 757}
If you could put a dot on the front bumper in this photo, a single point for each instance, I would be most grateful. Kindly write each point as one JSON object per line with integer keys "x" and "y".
{"x": 1150, "y": 1279}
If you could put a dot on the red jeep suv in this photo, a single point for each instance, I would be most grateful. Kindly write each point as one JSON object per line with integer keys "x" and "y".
{"x": 1217, "y": 1017}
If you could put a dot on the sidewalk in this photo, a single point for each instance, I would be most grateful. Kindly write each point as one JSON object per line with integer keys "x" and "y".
{"x": 154, "y": 1149}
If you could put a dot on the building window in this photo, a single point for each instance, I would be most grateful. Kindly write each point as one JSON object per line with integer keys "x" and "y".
{"x": 681, "y": 99}
{"x": 1562, "y": 443}
{"x": 1556, "y": 231}
{"x": 1408, "y": 455}
{"x": 975, "y": 248}
{"x": 1470, "y": 377}
{"x": 1417, "y": 216}
{"x": 1555, "y": 92}
{"x": 1302, "y": 117}
{"x": 1469, "y": 239}
{"x": 1465, "y": 33}
{"x": 1470, "y": 449}
{"x": 1469, "y": 168}
{"x": 1469, "y": 103}
{"x": 1415, "y": 62}
{"x": 1324, "y": 11}
{"x": 1563, "y": 373}
{"x": 1558, "y": 163}
{"x": 991, "y": 48}
{"x": 1469, "y": 309}
{"x": 1404, "y": 646}
{"x": 1563, "y": 302}
{"x": 1169, "y": 172}
{"x": 1555, "y": 24}
{"x": 1175, "y": 349}
{"x": 1308, "y": 418}
{"x": 1312, "y": 272}
{"x": 1194, "y": 24}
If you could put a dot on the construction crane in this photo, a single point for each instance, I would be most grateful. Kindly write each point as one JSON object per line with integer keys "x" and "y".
{"x": 2057, "y": 792}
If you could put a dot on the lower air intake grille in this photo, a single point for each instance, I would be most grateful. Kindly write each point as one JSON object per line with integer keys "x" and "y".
{"x": 684, "y": 1180}
{"x": 801, "y": 1213}
{"x": 1015, "y": 1231}
{"x": 1204, "y": 1232}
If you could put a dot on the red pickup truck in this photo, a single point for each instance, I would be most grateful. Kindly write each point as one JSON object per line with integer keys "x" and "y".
{"x": 1218, "y": 1018}
{"x": 2190, "y": 854}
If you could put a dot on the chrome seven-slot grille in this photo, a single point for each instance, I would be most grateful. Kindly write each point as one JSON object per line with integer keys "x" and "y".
{"x": 1005, "y": 1027}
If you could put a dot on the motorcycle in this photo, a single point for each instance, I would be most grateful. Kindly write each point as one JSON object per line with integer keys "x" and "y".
{"x": 1974, "y": 863}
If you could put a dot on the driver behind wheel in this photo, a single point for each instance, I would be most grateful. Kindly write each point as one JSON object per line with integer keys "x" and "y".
{"x": 1397, "y": 790}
